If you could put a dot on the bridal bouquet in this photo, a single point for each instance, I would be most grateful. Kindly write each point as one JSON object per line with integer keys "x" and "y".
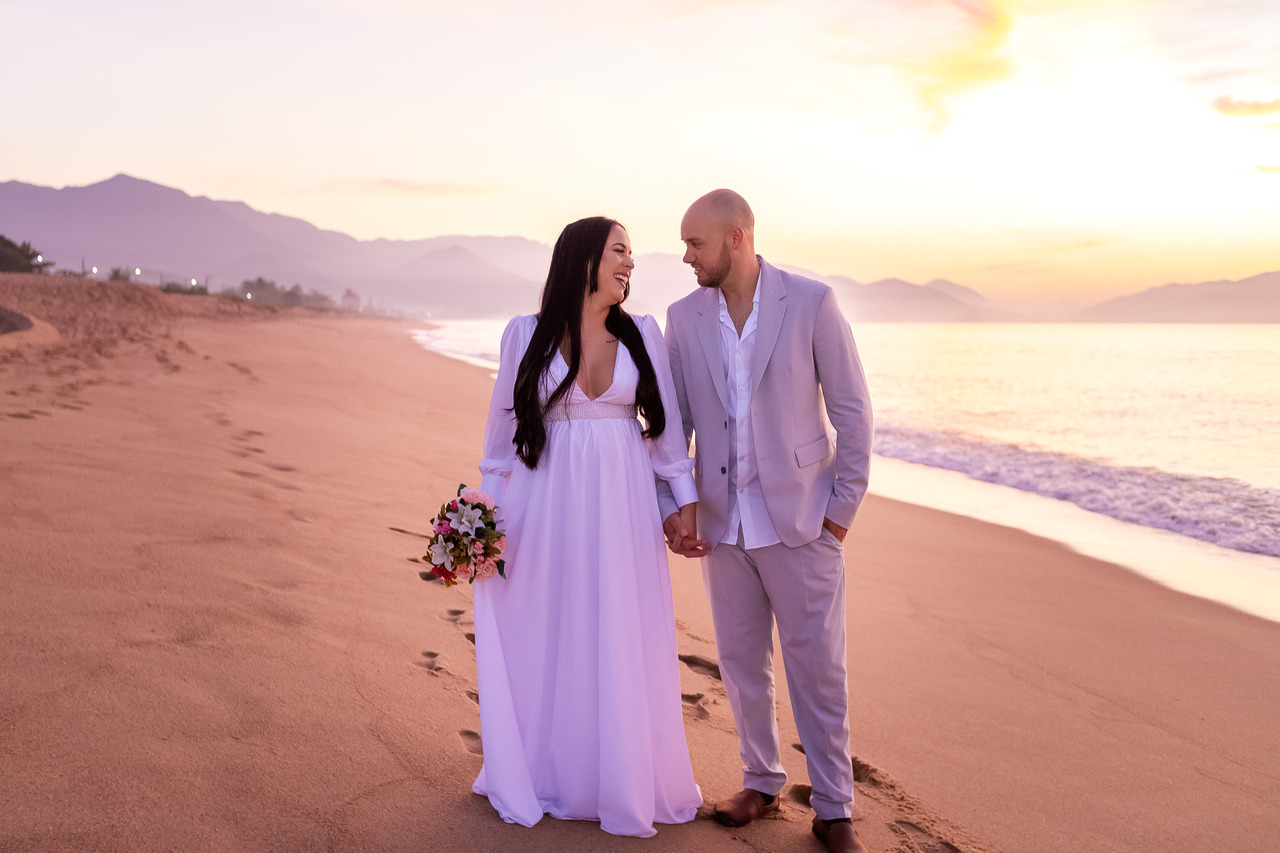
{"x": 466, "y": 543}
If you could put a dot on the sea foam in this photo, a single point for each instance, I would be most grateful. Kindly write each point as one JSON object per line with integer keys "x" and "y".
{"x": 1219, "y": 511}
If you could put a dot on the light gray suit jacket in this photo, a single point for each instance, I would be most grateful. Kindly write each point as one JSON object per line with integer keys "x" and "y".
{"x": 805, "y": 362}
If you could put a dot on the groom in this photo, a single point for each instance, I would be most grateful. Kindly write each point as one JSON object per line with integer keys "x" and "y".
{"x": 757, "y": 354}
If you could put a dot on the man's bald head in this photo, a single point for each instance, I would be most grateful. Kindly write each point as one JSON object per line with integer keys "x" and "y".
{"x": 726, "y": 208}
{"x": 718, "y": 231}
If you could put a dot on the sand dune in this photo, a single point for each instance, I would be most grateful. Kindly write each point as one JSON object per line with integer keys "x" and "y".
{"x": 215, "y": 636}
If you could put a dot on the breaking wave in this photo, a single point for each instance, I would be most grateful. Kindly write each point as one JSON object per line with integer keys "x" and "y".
{"x": 1221, "y": 511}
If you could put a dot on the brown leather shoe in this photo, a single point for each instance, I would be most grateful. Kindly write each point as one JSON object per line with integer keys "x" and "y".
{"x": 744, "y": 807}
{"x": 839, "y": 837}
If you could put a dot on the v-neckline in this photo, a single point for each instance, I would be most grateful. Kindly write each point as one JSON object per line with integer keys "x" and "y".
{"x": 613, "y": 374}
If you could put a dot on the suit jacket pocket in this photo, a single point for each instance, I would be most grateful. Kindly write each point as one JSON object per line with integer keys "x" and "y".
{"x": 814, "y": 451}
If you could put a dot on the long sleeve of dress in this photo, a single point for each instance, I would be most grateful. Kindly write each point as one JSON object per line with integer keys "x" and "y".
{"x": 668, "y": 452}
{"x": 500, "y": 429}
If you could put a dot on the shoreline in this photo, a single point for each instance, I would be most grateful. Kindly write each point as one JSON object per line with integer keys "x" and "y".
{"x": 216, "y": 636}
{"x": 1245, "y": 581}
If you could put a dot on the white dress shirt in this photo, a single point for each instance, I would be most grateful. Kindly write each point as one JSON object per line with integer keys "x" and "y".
{"x": 747, "y": 512}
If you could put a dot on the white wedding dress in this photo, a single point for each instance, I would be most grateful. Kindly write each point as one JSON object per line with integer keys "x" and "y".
{"x": 580, "y": 712}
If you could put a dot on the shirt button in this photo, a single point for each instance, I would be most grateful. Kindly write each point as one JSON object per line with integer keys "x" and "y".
{"x": 722, "y": 469}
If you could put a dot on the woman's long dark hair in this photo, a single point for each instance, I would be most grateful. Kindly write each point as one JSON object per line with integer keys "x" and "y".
{"x": 575, "y": 263}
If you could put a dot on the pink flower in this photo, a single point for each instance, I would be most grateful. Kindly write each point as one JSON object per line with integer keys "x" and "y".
{"x": 477, "y": 548}
{"x": 443, "y": 528}
{"x": 485, "y": 569}
{"x": 476, "y": 496}
{"x": 501, "y": 544}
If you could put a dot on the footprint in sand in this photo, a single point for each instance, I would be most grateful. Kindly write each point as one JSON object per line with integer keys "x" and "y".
{"x": 800, "y": 793}
{"x": 167, "y": 363}
{"x": 864, "y": 773}
{"x": 472, "y": 741}
{"x": 701, "y": 665}
{"x": 431, "y": 662}
{"x": 408, "y": 532}
{"x": 921, "y": 839}
{"x": 694, "y": 708}
{"x": 458, "y": 617}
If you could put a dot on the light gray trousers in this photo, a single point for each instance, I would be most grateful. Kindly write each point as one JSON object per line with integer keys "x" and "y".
{"x": 803, "y": 590}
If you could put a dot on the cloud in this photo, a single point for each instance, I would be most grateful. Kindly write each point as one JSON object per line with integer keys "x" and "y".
{"x": 977, "y": 61}
{"x": 1229, "y": 106}
{"x": 936, "y": 49}
{"x": 407, "y": 189}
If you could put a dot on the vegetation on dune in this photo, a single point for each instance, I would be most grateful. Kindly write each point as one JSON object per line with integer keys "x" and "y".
{"x": 20, "y": 258}
{"x": 265, "y": 292}
{"x": 184, "y": 289}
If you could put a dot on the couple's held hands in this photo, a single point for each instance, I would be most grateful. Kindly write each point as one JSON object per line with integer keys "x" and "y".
{"x": 681, "y": 532}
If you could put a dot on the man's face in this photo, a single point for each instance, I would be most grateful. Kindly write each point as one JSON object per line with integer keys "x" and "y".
{"x": 706, "y": 249}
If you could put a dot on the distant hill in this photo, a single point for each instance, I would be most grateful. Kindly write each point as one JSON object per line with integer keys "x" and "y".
{"x": 126, "y": 222}
{"x": 172, "y": 236}
{"x": 1250, "y": 300}
{"x": 895, "y": 300}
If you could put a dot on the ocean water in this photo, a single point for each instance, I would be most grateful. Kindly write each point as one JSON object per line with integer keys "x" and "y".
{"x": 1151, "y": 445}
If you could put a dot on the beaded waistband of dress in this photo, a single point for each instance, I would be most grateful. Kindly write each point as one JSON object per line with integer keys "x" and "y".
{"x": 591, "y": 410}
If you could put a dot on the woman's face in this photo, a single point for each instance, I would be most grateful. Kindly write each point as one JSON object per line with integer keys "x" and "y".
{"x": 613, "y": 282}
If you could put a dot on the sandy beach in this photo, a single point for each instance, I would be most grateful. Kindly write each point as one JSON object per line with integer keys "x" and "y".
{"x": 215, "y": 637}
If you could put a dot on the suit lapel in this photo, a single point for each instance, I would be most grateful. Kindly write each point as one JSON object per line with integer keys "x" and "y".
{"x": 768, "y": 321}
{"x": 708, "y": 326}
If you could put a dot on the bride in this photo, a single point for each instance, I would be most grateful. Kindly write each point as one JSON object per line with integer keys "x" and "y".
{"x": 580, "y": 707}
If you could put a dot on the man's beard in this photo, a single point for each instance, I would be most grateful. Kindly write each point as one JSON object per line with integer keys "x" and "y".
{"x": 716, "y": 276}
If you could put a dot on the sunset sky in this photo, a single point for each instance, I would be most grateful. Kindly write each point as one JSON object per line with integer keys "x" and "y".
{"x": 1031, "y": 150}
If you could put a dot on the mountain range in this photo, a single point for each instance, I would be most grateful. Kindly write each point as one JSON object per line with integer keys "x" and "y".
{"x": 1250, "y": 300}
{"x": 174, "y": 237}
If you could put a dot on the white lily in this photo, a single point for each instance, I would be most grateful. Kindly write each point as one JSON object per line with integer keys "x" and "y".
{"x": 466, "y": 520}
{"x": 440, "y": 555}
